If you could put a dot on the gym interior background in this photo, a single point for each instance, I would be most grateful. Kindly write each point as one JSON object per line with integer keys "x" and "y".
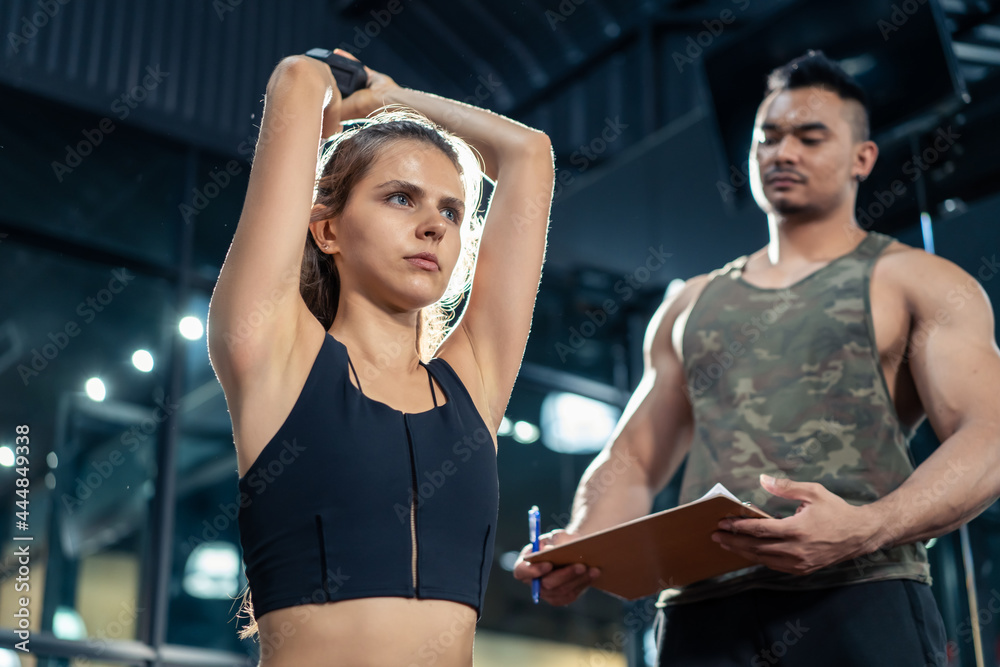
{"x": 126, "y": 135}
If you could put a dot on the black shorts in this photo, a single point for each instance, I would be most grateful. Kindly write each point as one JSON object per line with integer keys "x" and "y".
{"x": 878, "y": 624}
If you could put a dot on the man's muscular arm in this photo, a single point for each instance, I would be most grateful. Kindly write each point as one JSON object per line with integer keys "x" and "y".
{"x": 644, "y": 452}
{"x": 648, "y": 445}
{"x": 955, "y": 365}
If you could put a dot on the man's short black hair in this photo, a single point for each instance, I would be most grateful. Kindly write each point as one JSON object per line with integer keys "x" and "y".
{"x": 815, "y": 69}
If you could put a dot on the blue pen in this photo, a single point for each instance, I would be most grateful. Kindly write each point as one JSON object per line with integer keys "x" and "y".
{"x": 534, "y": 528}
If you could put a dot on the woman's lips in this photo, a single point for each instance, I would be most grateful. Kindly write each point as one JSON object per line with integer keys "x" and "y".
{"x": 424, "y": 262}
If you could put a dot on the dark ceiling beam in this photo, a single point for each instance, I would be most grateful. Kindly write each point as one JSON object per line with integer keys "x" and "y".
{"x": 630, "y": 35}
{"x": 12, "y": 232}
{"x": 448, "y": 36}
{"x": 983, "y": 55}
{"x": 966, "y": 21}
{"x": 650, "y": 76}
{"x": 536, "y": 74}
{"x": 571, "y": 50}
{"x": 606, "y": 18}
{"x": 572, "y": 75}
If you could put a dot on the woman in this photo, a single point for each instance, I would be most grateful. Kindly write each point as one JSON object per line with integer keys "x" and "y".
{"x": 365, "y": 430}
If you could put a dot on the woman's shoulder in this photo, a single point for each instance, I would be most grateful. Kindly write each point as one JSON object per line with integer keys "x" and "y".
{"x": 457, "y": 357}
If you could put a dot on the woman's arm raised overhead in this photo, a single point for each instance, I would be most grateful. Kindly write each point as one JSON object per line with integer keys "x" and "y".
{"x": 256, "y": 305}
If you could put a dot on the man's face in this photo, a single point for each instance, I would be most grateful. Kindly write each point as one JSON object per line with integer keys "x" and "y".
{"x": 805, "y": 152}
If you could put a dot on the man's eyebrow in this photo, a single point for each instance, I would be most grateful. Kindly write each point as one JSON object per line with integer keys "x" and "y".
{"x": 418, "y": 192}
{"x": 805, "y": 127}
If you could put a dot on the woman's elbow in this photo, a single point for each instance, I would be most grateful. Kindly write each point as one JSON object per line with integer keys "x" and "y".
{"x": 539, "y": 144}
{"x": 295, "y": 70}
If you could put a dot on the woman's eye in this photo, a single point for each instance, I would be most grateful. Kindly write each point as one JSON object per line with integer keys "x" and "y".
{"x": 399, "y": 198}
{"x": 451, "y": 214}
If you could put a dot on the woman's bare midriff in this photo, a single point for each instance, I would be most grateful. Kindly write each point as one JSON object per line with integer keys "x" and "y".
{"x": 370, "y": 632}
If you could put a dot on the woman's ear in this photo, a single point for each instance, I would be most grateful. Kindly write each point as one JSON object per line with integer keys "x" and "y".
{"x": 324, "y": 232}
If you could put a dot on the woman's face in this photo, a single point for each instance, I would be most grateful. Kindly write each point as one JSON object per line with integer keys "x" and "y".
{"x": 398, "y": 238}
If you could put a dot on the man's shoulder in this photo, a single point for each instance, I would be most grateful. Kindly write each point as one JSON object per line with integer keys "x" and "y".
{"x": 929, "y": 282}
{"x": 896, "y": 248}
{"x": 912, "y": 266}
{"x": 736, "y": 264}
{"x": 679, "y": 298}
{"x": 683, "y": 295}
{"x": 693, "y": 286}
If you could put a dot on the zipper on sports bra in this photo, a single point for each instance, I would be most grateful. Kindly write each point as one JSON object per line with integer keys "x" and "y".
{"x": 413, "y": 542}
{"x": 413, "y": 510}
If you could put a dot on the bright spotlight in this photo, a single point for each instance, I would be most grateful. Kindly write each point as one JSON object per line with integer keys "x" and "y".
{"x": 191, "y": 327}
{"x": 212, "y": 571}
{"x": 9, "y": 658}
{"x": 142, "y": 360}
{"x": 507, "y": 559}
{"x": 68, "y": 624}
{"x": 525, "y": 432}
{"x": 95, "y": 389}
{"x": 575, "y": 424}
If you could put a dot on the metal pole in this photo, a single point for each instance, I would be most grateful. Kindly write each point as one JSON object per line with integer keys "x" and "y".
{"x": 970, "y": 589}
{"x": 166, "y": 496}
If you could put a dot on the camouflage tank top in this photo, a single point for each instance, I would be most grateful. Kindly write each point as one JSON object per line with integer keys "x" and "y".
{"x": 789, "y": 382}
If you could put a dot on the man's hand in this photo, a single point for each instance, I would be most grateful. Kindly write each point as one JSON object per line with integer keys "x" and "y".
{"x": 559, "y": 586}
{"x": 824, "y": 530}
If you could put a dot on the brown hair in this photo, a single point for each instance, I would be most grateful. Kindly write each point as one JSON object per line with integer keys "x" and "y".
{"x": 344, "y": 162}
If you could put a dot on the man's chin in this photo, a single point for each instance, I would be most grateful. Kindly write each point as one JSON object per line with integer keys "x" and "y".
{"x": 787, "y": 207}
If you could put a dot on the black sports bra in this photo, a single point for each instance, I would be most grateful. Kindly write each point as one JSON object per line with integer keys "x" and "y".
{"x": 354, "y": 499}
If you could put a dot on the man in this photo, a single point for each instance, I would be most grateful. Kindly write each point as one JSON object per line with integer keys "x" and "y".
{"x": 795, "y": 377}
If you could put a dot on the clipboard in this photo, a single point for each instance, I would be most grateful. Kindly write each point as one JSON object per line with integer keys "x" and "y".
{"x": 667, "y": 549}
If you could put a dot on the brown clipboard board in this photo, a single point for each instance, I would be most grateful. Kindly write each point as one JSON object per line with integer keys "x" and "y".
{"x": 667, "y": 549}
